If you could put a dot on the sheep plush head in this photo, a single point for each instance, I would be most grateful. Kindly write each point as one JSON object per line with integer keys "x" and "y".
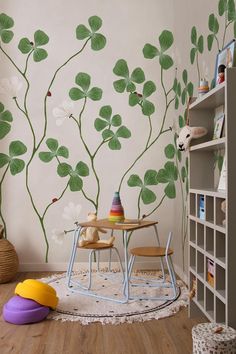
{"x": 188, "y": 133}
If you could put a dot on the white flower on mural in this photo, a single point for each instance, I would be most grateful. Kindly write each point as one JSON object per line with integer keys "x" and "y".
{"x": 63, "y": 111}
{"x": 58, "y": 236}
{"x": 72, "y": 212}
{"x": 10, "y": 87}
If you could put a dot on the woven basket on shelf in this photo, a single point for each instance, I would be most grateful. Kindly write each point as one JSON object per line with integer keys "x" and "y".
{"x": 8, "y": 259}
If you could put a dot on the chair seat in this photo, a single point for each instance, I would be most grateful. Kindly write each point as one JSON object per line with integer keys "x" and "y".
{"x": 150, "y": 251}
{"x": 96, "y": 246}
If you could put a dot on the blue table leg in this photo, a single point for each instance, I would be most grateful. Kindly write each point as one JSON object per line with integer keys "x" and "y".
{"x": 126, "y": 285}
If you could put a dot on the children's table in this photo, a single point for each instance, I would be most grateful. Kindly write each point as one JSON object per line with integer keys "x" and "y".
{"x": 125, "y": 229}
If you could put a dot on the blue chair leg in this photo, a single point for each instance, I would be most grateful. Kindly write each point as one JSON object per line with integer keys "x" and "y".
{"x": 162, "y": 264}
{"x": 172, "y": 274}
{"x": 73, "y": 253}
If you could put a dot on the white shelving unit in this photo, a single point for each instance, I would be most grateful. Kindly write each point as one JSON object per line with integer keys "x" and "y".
{"x": 208, "y": 238}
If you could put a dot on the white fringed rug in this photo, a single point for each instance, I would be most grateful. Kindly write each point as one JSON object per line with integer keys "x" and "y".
{"x": 86, "y": 309}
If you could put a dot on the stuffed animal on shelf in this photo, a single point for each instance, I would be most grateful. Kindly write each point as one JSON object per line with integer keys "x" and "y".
{"x": 91, "y": 234}
{"x": 188, "y": 133}
{"x": 223, "y": 208}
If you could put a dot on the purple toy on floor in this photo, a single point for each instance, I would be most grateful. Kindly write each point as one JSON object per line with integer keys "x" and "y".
{"x": 19, "y": 310}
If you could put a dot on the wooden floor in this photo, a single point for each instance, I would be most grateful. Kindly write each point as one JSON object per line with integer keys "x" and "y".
{"x": 168, "y": 336}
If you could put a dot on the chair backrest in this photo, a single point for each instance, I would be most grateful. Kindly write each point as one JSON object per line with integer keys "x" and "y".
{"x": 168, "y": 242}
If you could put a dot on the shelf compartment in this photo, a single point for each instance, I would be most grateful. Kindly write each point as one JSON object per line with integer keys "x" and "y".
{"x": 200, "y": 236}
{"x": 192, "y": 231}
{"x": 212, "y": 99}
{"x": 220, "y": 215}
{"x": 192, "y": 260}
{"x": 209, "y": 204}
{"x": 200, "y": 292}
{"x": 220, "y": 280}
{"x": 210, "y": 241}
{"x": 200, "y": 264}
{"x": 220, "y": 311}
{"x": 192, "y": 204}
{"x": 201, "y": 207}
{"x": 216, "y": 144}
{"x": 202, "y": 174}
{"x": 209, "y": 191}
{"x": 209, "y": 303}
{"x": 220, "y": 247}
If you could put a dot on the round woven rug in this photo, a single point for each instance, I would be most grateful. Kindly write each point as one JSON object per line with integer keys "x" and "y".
{"x": 86, "y": 309}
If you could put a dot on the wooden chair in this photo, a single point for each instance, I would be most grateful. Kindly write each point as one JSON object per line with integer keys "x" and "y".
{"x": 95, "y": 249}
{"x": 162, "y": 253}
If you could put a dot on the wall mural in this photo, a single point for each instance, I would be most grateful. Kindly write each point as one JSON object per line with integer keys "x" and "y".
{"x": 153, "y": 187}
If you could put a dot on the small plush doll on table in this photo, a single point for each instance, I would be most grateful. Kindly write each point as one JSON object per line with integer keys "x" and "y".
{"x": 221, "y": 74}
{"x": 91, "y": 234}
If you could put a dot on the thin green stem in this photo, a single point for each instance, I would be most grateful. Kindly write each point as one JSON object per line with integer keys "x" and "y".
{"x": 198, "y": 69}
{"x": 10, "y": 59}
{"x": 161, "y": 131}
{"x": 150, "y": 131}
{"x": 158, "y": 205}
{"x": 1, "y": 215}
{"x": 27, "y": 61}
{"x": 49, "y": 87}
{"x": 53, "y": 202}
{"x": 89, "y": 199}
{"x": 28, "y": 119}
{"x": 139, "y": 207}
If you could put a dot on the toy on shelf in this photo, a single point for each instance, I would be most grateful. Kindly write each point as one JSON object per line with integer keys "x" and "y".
{"x": 188, "y": 133}
{"x": 91, "y": 234}
{"x": 210, "y": 272}
{"x": 221, "y": 74}
{"x": 31, "y": 303}
{"x": 223, "y": 208}
{"x": 203, "y": 87}
{"x": 192, "y": 292}
{"x": 117, "y": 212}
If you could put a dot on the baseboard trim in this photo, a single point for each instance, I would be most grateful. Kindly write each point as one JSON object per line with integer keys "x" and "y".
{"x": 62, "y": 267}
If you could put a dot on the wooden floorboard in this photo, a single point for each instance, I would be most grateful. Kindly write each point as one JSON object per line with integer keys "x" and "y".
{"x": 171, "y": 335}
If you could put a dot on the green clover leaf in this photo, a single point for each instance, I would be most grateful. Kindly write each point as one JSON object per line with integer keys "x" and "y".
{"x": 168, "y": 175}
{"x": 55, "y": 151}
{"x": 113, "y": 138}
{"x": 40, "y": 39}
{"x": 231, "y": 10}
{"x": 148, "y": 107}
{"x": 170, "y": 151}
{"x": 188, "y": 88}
{"x": 222, "y": 7}
{"x": 98, "y": 40}
{"x": 198, "y": 44}
{"x": 83, "y": 80}
{"x": 150, "y": 179}
{"x": 6, "y": 22}
{"x": 106, "y": 119}
{"x": 75, "y": 182}
{"x": 16, "y": 148}
{"x": 166, "y": 40}
{"x": 5, "y": 120}
{"x": 127, "y": 83}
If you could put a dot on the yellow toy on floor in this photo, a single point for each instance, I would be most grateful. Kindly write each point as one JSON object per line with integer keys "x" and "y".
{"x": 91, "y": 234}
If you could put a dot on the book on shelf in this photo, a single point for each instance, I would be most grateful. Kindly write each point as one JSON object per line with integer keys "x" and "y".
{"x": 223, "y": 176}
{"x": 218, "y": 129}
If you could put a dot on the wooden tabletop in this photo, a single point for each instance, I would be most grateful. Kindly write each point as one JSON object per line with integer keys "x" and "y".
{"x": 106, "y": 224}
